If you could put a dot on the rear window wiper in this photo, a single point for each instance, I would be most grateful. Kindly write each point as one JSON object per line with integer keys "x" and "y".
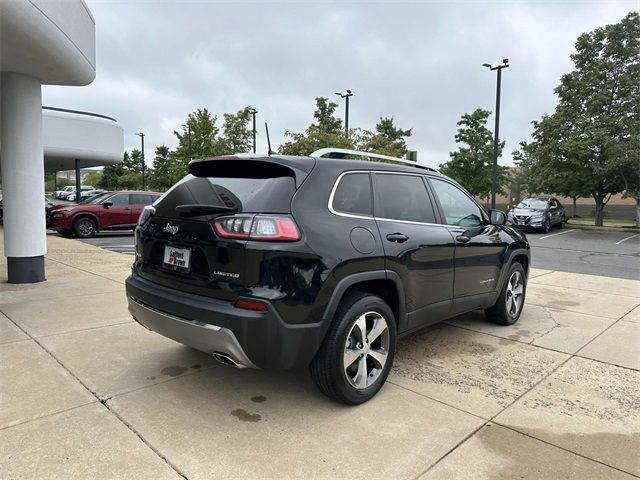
{"x": 197, "y": 209}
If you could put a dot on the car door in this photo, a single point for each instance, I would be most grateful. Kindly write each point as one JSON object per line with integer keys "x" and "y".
{"x": 479, "y": 246}
{"x": 554, "y": 211}
{"x": 118, "y": 213}
{"x": 138, "y": 202}
{"x": 416, "y": 247}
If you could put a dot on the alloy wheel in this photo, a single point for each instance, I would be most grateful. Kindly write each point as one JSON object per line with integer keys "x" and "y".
{"x": 85, "y": 227}
{"x": 366, "y": 350}
{"x": 515, "y": 292}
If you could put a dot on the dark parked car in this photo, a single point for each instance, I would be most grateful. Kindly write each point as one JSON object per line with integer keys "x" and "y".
{"x": 108, "y": 211}
{"x": 537, "y": 212}
{"x": 280, "y": 261}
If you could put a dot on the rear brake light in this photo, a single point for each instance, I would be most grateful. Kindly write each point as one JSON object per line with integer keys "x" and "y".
{"x": 249, "y": 304}
{"x": 258, "y": 227}
{"x": 223, "y": 157}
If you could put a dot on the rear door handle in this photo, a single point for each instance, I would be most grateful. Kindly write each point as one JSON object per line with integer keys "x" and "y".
{"x": 462, "y": 238}
{"x": 397, "y": 237}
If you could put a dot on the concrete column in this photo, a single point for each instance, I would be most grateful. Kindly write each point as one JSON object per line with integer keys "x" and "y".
{"x": 25, "y": 242}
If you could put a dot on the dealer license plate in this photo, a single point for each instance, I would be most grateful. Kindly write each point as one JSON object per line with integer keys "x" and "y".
{"x": 177, "y": 259}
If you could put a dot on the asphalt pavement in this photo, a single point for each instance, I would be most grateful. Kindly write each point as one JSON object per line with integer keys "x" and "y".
{"x": 120, "y": 242}
{"x": 606, "y": 253}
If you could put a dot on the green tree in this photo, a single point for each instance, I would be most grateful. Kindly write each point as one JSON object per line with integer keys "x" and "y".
{"x": 204, "y": 136}
{"x": 51, "y": 183}
{"x": 472, "y": 164}
{"x": 327, "y": 131}
{"x": 388, "y": 139}
{"x": 592, "y": 135}
{"x": 92, "y": 177}
{"x": 167, "y": 169}
{"x": 111, "y": 174}
{"x": 236, "y": 136}
{"x": 132, "y": 163}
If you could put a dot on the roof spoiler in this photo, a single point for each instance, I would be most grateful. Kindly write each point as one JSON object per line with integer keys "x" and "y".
{"x": 253, "y": 167}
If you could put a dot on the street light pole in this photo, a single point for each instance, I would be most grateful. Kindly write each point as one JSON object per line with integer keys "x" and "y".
{"x": 141, "y": 135}
{"x": 253, "y": 112}
{"x": 346, "y": 110}
{"x": 188, "y": 127}
{"x": 494, "y": 175}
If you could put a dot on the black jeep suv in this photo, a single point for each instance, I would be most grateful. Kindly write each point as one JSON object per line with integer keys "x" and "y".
{"x": 281, "y": 261}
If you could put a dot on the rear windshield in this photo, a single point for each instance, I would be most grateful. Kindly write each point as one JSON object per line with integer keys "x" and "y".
{"x": 268, "y": 195}
{"x": 251, "y": 195}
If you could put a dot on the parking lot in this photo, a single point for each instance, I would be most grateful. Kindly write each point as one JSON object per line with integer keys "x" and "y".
{"x": 607, "y": 253}
{"x": 87, "y": 392}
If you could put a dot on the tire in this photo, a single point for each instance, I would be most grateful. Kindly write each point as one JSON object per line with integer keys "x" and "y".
{"x": 503, "y": 312}
{"x": 343, "y": 344}
{"x": 85, "y": 227}
{"x": 546, "y": 226}
{"x": 561, "y": 224}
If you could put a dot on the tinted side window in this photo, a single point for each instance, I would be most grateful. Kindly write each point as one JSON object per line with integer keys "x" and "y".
{"x": 120, "y": 199}
{"x": 457, "y": 206}
{"x": 142, "y": 199}
{"x": 353, "y": 194}
{"x": 402, "y": 197}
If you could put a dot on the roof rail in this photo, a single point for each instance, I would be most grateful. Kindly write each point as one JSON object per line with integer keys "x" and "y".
{"x": 332, "y": 152}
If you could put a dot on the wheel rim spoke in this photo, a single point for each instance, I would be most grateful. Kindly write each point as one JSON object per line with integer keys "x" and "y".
{"x": 515, "y": 305}
{"x": 379, "y": 326}
{"x": 361, "y": 327}
{"x": 360, "y": 379}
{"x": 350, "y": 356}
{"x": 379, "y": 356}
{"x": 518, "y": 290}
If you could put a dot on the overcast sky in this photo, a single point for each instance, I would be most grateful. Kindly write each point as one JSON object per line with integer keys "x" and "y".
{"x": 419, "y": 62}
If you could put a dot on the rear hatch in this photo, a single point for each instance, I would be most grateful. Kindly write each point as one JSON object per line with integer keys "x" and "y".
{"x": 197, "y": 238}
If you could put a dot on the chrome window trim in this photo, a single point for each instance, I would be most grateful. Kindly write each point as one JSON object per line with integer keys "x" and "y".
{"x": 333, "y": 192}
{"x": 382, "y": 219}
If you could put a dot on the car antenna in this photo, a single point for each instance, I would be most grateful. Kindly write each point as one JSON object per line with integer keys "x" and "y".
{"x": 266, "y": 127}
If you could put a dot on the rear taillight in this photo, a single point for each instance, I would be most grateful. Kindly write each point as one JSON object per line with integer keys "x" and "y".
{"x": 257, "y": 227}
{"x": 146, "y": 214}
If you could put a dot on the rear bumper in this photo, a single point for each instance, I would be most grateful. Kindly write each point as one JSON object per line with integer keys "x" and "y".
{"x": 201, "y": 336}
{"x": 252, "y": 339}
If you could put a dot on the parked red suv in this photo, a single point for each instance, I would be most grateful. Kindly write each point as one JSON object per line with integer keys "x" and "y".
{"x": 108, "y": 211}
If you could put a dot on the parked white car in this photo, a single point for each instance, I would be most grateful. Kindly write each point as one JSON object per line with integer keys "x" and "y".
{"x": 71, "y": 195}
{"x": 66, "y": 190}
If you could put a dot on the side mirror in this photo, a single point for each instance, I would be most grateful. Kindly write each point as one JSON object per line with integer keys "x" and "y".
{"x": 107, "y": 204}
{"x": 497, "y": 217}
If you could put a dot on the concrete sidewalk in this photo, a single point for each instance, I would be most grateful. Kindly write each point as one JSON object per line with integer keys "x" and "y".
{"x": 85, "y": 392}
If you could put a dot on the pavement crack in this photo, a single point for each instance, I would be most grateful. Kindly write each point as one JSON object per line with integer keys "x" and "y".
{"x": 547, "y": 332}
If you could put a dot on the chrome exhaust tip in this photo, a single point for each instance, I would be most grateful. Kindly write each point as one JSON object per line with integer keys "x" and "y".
{"x": 226, "y": 359}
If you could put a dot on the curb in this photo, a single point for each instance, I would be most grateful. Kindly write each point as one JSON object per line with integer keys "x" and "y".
{"x": 603, "y": 229}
